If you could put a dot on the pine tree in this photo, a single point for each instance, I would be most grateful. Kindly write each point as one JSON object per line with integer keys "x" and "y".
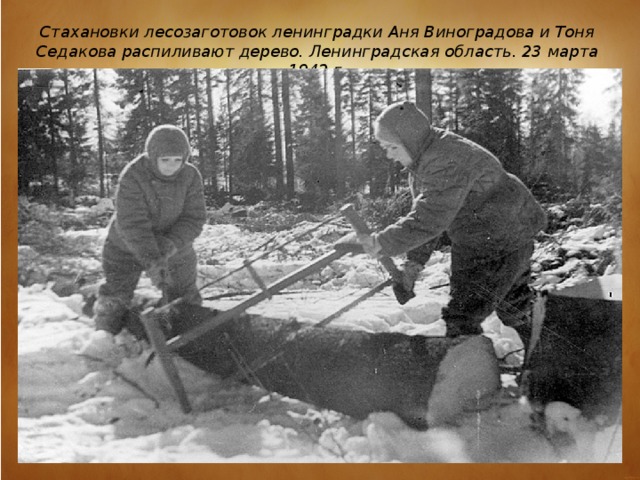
{"x": 45, "y": 79}
{"x": 288, "y": 135}
{"x": 76, "y": 99}
{"x": 613, "y": 152}
{"x": 99, "y": 132}
{"x": 181, "y": 98}
{"x": 250, "y": 137}
{"x": 446, "y": 108}
{"x": 535, "y": 143}
{"x": 210, "y": 146}
{"x": 158, "y": 101}
{"x": 354, "y": 167}
{"x": 228, "y": 169}
{"x": 314, "y": 150}
{"x": 339, "y": 142}
{"x": 591, "y": 163}
{"x": 277, "y": 134}
{"x": 197, "y": 139}
{"x": 135, "y": 98}
{"x": 424, "y": 91}
{"x": 558, "y": 94}
{"x": 500, "y": 131}
{"x": 33, "y": 141}
{"x": 376, "y": 96}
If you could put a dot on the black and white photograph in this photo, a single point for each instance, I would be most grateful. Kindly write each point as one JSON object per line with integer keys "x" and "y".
{"x": 319, "y": 265}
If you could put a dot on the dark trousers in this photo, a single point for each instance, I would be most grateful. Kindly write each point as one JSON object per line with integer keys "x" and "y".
{"x": 480, "y": 285}
{"x": 122, "y": 272}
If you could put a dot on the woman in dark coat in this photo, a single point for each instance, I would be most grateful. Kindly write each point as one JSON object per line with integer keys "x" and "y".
{"x": 490, "y": 216}
{"x": 159, "y": 212}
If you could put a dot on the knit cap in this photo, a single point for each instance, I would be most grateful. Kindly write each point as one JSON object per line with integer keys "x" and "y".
{"x": 402, "y": 123}
{"x": 167, "y": 140}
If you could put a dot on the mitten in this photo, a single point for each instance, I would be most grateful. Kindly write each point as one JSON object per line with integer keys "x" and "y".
{"x": 411, "y": 271}
{"x": 167, "y": 247}
{"x": 158, "y": 272}
{"x": 359, "y": 243}
{"x": 349, "y": 243}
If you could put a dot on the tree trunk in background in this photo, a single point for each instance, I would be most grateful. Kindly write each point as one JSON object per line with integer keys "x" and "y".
{"x": 372, "y": 181}
{"x": 325, "y": 86}
{"x": 564, "y": 162}
{"x": 407, "y": 85}
{"x": 423, "y": 91}
{"x": 52, "y": 144}
{"x": 147, "y": 101}
{"x": 73, "y": 177}
{"x": 198, "y": 133}
{"x": 252, "y": 94}
{"x": 339, "y": 156}
{"x": 450, "y": 94}
{"x": 229, "y": 167}
{"x": 213, "y": 170}
{"x": 352, "y": 97}
{"x": 392, "y": 169}
{"x": 162, "y": 107}
{"x": 279, "y": 166}
{"x": 264, "y": 169}
{"x": 288, "y": 136}
{"x": 186, "y": 82}
{"x": 96, "y": 97}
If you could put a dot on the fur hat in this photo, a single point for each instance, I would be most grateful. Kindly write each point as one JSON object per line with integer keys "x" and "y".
{"x": 167, "y": 140}
{"x": 402, "y": 123}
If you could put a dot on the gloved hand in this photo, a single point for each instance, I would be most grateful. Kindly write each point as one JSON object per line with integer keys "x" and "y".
{"x": 359, "y": 243}
{"x": 158, "y": 272}
{"x": 166, "y": 246}
{"x": 411, "y": 271}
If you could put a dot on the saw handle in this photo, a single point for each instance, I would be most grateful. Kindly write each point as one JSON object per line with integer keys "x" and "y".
{"x": 361, "y": 228}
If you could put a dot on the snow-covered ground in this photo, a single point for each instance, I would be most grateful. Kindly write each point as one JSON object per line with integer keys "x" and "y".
{"x": 71, "y": 410}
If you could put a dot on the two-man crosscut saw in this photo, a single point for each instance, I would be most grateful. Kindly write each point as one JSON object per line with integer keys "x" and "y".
{"x": 248, "y": 262}
{"x": 164, "y": 349}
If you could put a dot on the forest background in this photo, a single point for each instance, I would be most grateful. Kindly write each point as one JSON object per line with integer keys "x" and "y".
{"x": 304, "y": 138}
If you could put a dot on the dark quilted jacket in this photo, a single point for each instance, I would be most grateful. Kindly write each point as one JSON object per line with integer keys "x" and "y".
{"x": 461, "y": 188}
{"x": 149, "y": 206}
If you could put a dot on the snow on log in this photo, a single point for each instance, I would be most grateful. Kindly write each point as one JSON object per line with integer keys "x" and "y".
{"x": 579, "y": 357}
{"x": 426, "y": 381}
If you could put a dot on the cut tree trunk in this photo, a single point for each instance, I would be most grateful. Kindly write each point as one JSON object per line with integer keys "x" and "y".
{"x": 426, "y": 381}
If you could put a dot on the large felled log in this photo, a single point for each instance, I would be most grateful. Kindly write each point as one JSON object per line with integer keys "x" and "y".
{"x": 579, "y": 357}
{"x": 426, "y": 381}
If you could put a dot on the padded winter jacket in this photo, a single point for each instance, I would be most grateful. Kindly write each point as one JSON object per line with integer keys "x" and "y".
{"x": 150, "y": 206}
{"x": 461, "y": 188}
